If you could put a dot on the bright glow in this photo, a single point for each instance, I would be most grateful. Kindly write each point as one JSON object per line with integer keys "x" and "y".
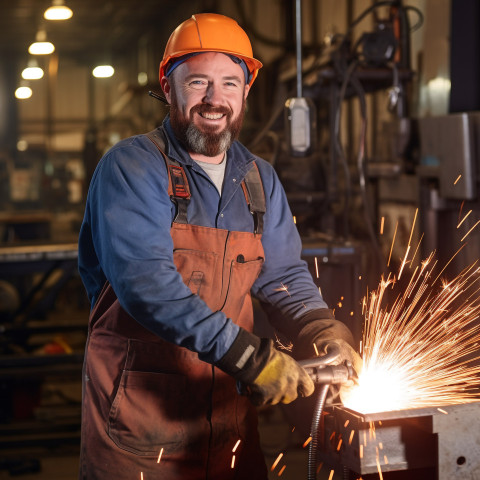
{"x": 58, "y": 12}
{"x": 23, "y": 92}
{"x": 103, "y": 71}
{"x": 421, "y": 347}
{"x": 142, "y": 78}
{"x": 22, "y": 145}
{"x": 439, "y": 84}
{"x": 32, "y": 73}
{"x": 41, "y": 48}
{"x": 368, "y": 397}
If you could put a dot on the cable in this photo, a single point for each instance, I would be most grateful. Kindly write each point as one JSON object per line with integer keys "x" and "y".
{"x": 313, "y": 447}
{"x": 339, "y": 147}
{"x": 384, "y": 4}
{"x": 361, "y": 164}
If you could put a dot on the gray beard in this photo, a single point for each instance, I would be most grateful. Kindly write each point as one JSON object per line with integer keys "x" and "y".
{"x": 200, "y": 142}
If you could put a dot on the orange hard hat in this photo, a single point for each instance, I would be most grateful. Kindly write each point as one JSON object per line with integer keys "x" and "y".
{"x": 210, "y": 32}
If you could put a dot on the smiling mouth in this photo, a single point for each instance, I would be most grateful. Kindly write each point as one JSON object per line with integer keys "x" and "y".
{"x": 212, "y": 116}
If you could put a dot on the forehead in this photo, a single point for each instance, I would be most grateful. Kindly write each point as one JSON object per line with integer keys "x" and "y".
{"x": 212, "y": 64}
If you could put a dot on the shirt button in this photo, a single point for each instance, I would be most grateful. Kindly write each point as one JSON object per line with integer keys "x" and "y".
{"x": 234, "y": 180}
{"x": 221, "y": 215}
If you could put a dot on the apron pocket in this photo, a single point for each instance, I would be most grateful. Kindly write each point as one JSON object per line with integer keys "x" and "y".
{"x": 147, "y": 414}
{"x": 242, "y": 277}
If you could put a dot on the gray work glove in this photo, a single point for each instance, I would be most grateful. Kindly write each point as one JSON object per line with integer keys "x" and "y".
{"x": 264, "y": 374}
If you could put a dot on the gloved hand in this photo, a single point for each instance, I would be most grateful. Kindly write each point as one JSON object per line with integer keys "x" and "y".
{"x": 281, "y": 380}
{"x": 321, "y": 329}
{"x": 265, "y": 374}
{"x": 345, "y": 354}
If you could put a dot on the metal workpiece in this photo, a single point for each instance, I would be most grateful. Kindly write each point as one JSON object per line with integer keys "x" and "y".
{"x": 442, "y": 442}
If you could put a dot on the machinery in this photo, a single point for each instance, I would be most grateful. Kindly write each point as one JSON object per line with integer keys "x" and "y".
{"x": 411, "y": 444}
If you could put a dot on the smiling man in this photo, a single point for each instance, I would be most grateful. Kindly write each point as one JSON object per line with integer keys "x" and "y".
{"x": 182, "y": 225}
{"x": 207, "y": 110}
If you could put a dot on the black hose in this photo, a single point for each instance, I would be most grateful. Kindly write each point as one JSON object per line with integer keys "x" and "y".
{"x": 313, "y": 447}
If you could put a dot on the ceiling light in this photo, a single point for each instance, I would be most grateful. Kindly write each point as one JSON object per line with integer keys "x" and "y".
{"x": 58, "y": 11}
{"x": 33, "y": 71}
{"x": 41, "y": 46}
{"x": 103, "y": 71}
{"x": 23, "y": 92}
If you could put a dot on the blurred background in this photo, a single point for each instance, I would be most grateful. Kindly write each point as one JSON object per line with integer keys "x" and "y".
{"x": 368, "y": 111}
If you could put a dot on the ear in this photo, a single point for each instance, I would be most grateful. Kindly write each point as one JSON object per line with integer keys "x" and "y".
{"x": 167, "y": 88}
{"x": 246, "y": 91}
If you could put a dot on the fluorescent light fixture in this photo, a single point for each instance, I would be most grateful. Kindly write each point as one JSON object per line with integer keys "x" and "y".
{"x": 33, "y": 71}
{"x": 23, "y": 92}
{"x": 103, "y": 71}
{"x": 22, "y": 145}
{"x": 58, "y": 11}
{"x": 41, "y": 46}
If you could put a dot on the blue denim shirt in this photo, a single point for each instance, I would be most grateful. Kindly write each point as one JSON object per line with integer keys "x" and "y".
{"x": 125, "y": 239}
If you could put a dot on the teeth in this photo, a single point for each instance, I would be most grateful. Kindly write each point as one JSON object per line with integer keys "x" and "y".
{"x": 212, "y": 116}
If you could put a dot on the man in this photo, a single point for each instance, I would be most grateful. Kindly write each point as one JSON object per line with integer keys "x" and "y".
{"x": 180, "y": 226}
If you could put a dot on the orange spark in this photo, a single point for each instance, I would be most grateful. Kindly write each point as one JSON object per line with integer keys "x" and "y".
{"x": 465, "y": 236}
{"x": 458, "y": 178}
{"x": 160, "y": 455}
{"x": 382, "y": 225}
{"x": 275, "y": 463}
{"x": 307, "y": 441}
{"x": 442, "y": 411}
{"x": 233, "y": 462}
{"x": 393, "y": 243}
{"x": 351, "y": 437}
{"x": 339, "y": 444}
{"x": 282, "y": 470}
{"x": 379, "y": 468}
{"x": 416, "y": 250}
{"x": 281, "y": 346}
{"x": 282, "y": 288}
{"x": 421, "y": 349}
{"x": 346, "y": 423}
{"x": 316, "y": 267}
{"x": 236, "y": 446}
{"x": 331, "y": 474}
{"x": 464, "y": 218}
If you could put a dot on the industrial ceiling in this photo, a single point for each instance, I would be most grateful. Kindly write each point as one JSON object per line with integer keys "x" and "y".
{"x": 97, "y": 26}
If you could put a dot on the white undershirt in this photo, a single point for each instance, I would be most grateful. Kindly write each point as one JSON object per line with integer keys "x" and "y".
{"x": 216, "y": 172}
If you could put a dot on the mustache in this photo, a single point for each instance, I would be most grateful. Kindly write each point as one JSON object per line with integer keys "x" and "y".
{"x": 203, "y": 108}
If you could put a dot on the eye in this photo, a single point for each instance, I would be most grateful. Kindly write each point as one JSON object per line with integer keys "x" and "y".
{"x": 198, "y": 83}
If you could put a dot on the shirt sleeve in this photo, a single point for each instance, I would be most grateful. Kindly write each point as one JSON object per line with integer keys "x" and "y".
{"x": 129, "y": 215}
{"x": 285, "y": 282}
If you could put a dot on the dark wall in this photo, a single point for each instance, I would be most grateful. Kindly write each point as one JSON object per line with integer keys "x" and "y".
{"x": 464, "y": 56}
{"x": 8, "y": 106}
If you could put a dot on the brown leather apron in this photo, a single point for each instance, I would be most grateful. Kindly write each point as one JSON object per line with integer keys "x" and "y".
{"x": 143, "y": 396}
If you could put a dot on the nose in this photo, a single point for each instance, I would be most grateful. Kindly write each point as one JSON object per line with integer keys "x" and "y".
{"x": 213, "y": 95}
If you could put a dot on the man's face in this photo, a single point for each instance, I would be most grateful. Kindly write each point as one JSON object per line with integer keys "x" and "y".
{"x": 207, "y": 95}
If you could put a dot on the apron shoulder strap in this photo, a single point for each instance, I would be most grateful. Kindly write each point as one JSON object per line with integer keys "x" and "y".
{"x": 253, "y": 190}
{"x": 178, "y": 188}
